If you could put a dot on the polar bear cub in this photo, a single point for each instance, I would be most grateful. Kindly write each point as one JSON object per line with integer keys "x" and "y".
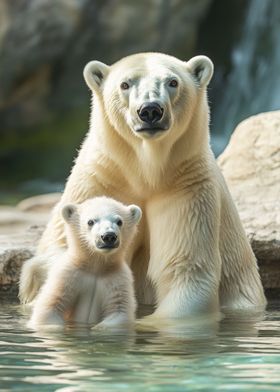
{"x": 91, "y": 282}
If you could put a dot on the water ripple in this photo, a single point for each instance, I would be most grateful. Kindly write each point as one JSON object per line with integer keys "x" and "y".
{"x": 236, "y": 354}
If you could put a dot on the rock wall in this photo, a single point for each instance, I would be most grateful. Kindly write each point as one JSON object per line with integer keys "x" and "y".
{"x": 44, "y": 45}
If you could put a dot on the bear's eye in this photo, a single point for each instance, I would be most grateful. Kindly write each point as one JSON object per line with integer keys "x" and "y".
{"x": 124, "y": 86}
{"x": 119, "y": 222}
{"x": 173, "y": 83}
{"x": 91, "y": 222}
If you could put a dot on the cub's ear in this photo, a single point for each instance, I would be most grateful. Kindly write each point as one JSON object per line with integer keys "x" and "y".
{"x": 136, "y": 213}
{"x": 69, "y": 211}
{"x": 95, "y": 73}
{"x": 201, "y": 68}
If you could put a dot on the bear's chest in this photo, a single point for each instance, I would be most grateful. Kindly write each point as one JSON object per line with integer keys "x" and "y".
{"x": 88, "y": 305}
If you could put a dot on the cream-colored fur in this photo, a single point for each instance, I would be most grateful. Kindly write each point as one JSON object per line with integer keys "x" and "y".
{"x": 191, "y": 253}
{"x": 90, "y": 282}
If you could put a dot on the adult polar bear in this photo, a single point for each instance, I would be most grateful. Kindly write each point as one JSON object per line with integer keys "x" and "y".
{"x": 148, "y": 144}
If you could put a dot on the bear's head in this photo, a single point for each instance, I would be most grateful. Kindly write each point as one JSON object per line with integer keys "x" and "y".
{"x": 150, "y": 95}
{"x": 102, "y": 224}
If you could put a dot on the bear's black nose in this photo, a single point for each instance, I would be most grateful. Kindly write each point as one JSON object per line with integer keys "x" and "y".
{"x": 109, "y": 238}
{"x": 150, "y": 112}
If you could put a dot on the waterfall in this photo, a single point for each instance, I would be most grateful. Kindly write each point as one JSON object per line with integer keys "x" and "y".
{"x": 253, "y": 84}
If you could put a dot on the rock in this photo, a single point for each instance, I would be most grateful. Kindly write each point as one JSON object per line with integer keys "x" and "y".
{"x": 33, "y": 211}
{"x": 40, "y": 203}
{"x": 44, "y": 46}
{"x": 14, "y": 250}
{"x": 20, "y": 230}
{"x": 14, "y": 221}
{"x": 251, "y": 166}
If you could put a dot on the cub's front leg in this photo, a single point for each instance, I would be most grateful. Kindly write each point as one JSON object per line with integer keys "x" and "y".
{"x": 117, "y": 299}
{"x": 185, "y": 263}
{"x": 56, "y": 297}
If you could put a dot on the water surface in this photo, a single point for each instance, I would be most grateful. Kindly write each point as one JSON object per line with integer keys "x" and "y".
{"x": 238, "y": 353}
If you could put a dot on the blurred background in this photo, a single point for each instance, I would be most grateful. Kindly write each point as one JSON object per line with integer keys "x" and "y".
{"x": 44, "y": 45}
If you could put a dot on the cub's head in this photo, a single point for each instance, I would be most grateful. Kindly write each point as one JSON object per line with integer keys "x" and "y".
{"x": 104, "y": 225}
{"x": 150, "y": 95}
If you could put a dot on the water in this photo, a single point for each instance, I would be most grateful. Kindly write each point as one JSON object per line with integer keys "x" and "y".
{"x": 253, "y": 85}
{"x": 239, "y": 353}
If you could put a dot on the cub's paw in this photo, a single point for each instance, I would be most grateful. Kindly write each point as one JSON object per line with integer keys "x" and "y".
{"x": 118, "y": 323}
{"x": 152, "y": 322}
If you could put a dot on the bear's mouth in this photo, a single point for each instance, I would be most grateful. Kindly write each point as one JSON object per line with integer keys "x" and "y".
{"x": 103, "y": 246}
{"x": 151, "y": 131}
{"x": 157, "y": 129}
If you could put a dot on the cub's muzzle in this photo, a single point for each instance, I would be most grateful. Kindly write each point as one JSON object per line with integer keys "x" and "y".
{"x": 109, "y": 240}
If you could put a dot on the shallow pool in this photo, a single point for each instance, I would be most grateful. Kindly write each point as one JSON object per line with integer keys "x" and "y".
{"x": 238, "y": 353}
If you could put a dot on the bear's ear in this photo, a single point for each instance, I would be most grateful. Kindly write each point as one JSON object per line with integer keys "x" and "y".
{"x": 201, "y": 68}
{"x": 68, "y": 212}
{"x": 94, "y": 73}
{"x": 136, "y": 213}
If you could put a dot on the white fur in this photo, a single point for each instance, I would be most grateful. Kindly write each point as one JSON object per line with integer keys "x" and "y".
{"x": 191, "y": 253}
{"x": 85, "y": 284}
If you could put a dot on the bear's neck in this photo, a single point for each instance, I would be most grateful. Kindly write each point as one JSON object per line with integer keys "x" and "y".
{"x": 150, "y": 163}
{"x": 95, "y": 263}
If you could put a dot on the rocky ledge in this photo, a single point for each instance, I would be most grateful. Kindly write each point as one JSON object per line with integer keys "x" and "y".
{"x": 14, "y": 250}
{"x": 251, "y": 166}
{"x": 20, "y": 229}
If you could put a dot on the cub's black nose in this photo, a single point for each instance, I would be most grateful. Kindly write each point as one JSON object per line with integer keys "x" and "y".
{"x": 109, "y": 238}
{"x": 150, "y": 112}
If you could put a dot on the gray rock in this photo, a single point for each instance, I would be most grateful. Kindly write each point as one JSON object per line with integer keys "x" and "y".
{"x": 14, "y": 221}
{"x": 40, "y": 203}
{"x": 20, "y": 230}
{"x": 45, "y": 44}
{"x": 14, "y": 250}
{"x": 19, "y": 235}
{"x": 251, "y": 166}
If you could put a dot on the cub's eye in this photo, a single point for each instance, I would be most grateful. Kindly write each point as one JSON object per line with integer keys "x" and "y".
{"x": 119, "y": 222}
{"x": 173, "y": 83}
{"x": 91, "y": 222}
{"x": 124, "y": 86}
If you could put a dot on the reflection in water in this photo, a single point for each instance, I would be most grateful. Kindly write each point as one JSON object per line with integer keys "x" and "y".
{"x": 240, "y": 352}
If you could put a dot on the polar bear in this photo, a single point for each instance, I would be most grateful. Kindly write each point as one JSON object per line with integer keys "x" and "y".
{"x": 91, "y": 282}
{"x": 148, "y": 144}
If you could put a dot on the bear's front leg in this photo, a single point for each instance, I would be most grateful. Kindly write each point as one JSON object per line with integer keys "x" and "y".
{"x": 56, "y": 296}
{"x": 117, "y": 299}
{"x": 185, "y": 263}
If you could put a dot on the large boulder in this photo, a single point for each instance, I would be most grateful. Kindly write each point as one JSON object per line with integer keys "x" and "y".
{"x": 251, "y": 166}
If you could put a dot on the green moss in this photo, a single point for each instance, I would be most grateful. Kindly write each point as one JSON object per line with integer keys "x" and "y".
{"x": 44, "y": 153}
